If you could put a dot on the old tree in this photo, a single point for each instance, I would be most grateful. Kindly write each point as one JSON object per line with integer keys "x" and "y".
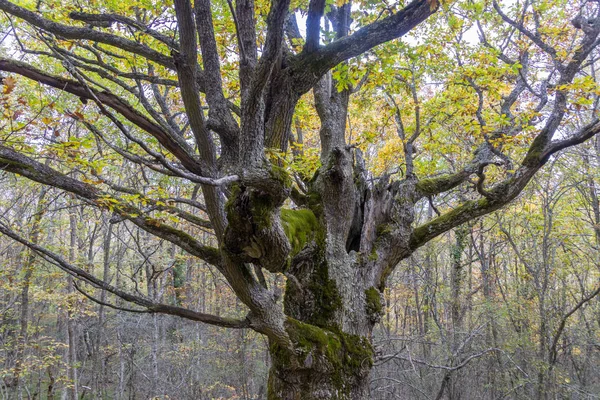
{"x": 226, "y": 101}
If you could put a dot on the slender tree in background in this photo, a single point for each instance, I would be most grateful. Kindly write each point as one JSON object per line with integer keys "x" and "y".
{"x": 204, "y": 95}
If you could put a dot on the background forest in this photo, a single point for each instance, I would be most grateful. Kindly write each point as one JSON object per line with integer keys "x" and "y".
{"x": 506, "y": 305}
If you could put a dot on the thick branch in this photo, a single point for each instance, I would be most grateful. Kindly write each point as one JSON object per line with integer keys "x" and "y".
{"x": 313, "y": 24}
{"x": 253, "y": 102}
{"x": 587, "y": 132}
{"x": 220, "y": 117}
{"x": 309, "y": 67}
{"x": 244, "y": 11}
{"x": 500, "y": 195}
{"x": 187, "y": 67}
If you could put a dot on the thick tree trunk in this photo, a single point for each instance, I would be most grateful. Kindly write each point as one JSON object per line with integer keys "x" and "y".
{"x": 330, "y": 321}
{"x": 323, "y": 365}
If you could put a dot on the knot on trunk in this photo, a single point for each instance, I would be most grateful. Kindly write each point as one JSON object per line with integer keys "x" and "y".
{"x": 259, "y": 231}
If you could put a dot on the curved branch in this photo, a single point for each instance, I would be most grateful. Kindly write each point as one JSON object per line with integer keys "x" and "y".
{"x": 309, "y": 67}
{"x": 17, "y": 163}
{"x": 585, "y": 133}
{"x": 483, "y": 157}
{"x": 563, "y": 322}
{"x": 499, "y": 195}
{"x": 149, "y": 305}
{"x": 70, "y": 32}
{"x": 442, "y": 183}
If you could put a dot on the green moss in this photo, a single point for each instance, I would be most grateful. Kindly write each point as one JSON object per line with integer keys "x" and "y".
{"x": 374, "y": 306}
{"x": 431, "y": 185}
{"x": 300, "y": 227}
{"x": 262, "y": 210}
{"x": 373, "y": 256}
{"x": 10, "y": 162}
{"x": 303, "y": 228}
{"x": 326, "y": 296}
{"x": 234, "y": 217}
{"x": 308, "y": 337}
{"x": 233, "y": 195}
{"x": 444, "y": 222}
{"x": 536, "y": 151}
{"x": 383, "y": 229}
{"x": 318, "y": 301}
{"x": 341, "y": 356}
{"x": 280, "y": 174}
{"x": 359, "y": 352}
{"x": 344, "y": 351}
{"x": 315, "y": 202}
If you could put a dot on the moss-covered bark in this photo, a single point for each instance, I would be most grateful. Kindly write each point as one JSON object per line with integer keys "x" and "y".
{"x": 311, "y": 294}
{"x": 300, "y": 226}
{"x": 374, "y": 307}
{"x": 324, "y": 364}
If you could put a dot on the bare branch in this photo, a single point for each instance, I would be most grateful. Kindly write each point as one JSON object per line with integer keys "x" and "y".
{"x": 150, "y": 306}
{"x": 70, "y": 32}
{"x": 15, "y": 162}
{"x": 563, "y": 322}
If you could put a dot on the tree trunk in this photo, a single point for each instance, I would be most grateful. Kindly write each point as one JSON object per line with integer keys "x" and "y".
{"x": 28, "y": 268}
{"x": 99, "y": 359}
{"x": 330, "y": 324}
{"x": 72, "y": 392}
{"x": 323, "y": 365}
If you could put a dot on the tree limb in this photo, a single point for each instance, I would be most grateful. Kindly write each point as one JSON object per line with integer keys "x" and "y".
{"x": 176, "y": 145}
{"x": 150, "y": 306}
{"x": 110, "y": 18}
{"x": 70, "y": 32}
{"x": 17, "y": 163}
{"x": 309, "y": 67}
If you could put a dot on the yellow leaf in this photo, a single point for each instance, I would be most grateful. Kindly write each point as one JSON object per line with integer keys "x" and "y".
{"x": 9, "y": 84}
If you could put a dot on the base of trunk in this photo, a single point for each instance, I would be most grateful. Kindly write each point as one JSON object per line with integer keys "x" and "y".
{"x": 315, "y": 386}
{"x": 323, "y": 365}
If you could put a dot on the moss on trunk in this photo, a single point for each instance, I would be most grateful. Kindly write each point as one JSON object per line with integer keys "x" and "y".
{"x": 300, "y": 226}
{"x": 324, "y": 364}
